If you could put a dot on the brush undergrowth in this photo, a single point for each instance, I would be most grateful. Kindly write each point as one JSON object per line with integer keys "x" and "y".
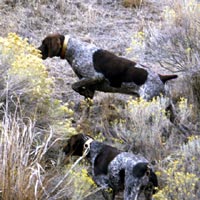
{"x": 181, "y": 172}
{"x": 173, "y": 44}
{"x": 144, "y": 127}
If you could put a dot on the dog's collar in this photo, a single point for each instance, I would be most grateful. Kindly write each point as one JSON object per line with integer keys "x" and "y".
{"x": 87, "y": 143}
{"x": 86, "y": 146}
{"x": 64, "y": 47}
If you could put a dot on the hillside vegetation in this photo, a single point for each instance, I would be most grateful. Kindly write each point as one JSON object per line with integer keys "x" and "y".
{"x": 39, "y": 110}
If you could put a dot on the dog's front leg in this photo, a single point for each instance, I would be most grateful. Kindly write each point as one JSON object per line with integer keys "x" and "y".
{"x": 83, "y": 86}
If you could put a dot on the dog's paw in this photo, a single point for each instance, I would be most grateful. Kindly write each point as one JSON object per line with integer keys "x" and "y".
{"x": 87, "y": 93}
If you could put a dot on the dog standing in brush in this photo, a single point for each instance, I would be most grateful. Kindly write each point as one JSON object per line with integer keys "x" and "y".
{"x": 112, "y": 168}
{"x": 101, "y": 70}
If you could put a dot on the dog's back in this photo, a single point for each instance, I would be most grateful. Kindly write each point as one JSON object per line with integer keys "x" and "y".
{"x": 79, "y": 54}
{"x": 118, "y": 69}
{"x": 124, "y": 161}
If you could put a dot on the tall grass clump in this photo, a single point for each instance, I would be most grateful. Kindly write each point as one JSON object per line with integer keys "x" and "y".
{"x": 23, "y": 174}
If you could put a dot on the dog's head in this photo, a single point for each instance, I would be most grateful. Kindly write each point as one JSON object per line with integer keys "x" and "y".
{"x": 52, "y": 46}
{"x": 144, "y": 180}
{"x": 75, "y": 145}
{"x": 148, "y": 179}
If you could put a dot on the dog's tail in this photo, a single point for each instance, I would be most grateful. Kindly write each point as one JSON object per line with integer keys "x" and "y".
{"x": 165, "y": 78}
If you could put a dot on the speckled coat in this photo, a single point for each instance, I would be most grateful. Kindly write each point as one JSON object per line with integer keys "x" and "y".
{"x": 101, "y": 70}
{"x": 79, "y": 54}
{"x": 123, "y": 161}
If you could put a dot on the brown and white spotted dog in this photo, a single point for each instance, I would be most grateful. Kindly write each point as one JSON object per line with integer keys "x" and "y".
{"x": 101, "y": 70}
{"x": 112, "y": 168}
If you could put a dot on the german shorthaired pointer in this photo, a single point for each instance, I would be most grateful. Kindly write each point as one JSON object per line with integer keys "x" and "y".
{"x": 114, "y": 169}
{"x": 101, "y": 70}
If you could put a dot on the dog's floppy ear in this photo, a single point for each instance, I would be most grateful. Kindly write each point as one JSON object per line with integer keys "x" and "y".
{"x": 153, "y": 180}
{"x": 74, "y": 146}
{"x": 141, "y": 169}
{"x": 54, "y": 45}
{"x": 67, "y": 150}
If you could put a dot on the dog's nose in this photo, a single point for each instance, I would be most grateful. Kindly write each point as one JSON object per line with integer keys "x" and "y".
{"x": 42, "y": 52}
{"x": 40, "y": 48}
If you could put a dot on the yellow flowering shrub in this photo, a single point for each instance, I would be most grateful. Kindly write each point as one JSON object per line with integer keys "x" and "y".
{"x": 142, "y": 124}
{"x": 182, "y": 173}
{"x": 25, "y": 79}
{"x": 23, "y": 69}
{"x": 184, "y": 109}
{"x": 180, "y": 185}
{"x": 83, "y": 184}
{"x": 143, "y": 110}
{"x": 62, "y": 116}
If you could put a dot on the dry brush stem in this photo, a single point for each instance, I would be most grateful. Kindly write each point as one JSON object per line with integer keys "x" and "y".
{"x": 22, "y": 171}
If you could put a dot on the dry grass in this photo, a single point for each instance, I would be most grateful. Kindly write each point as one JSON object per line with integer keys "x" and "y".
{"x": 23, "y": 174}
{"x": 174, "y": 44}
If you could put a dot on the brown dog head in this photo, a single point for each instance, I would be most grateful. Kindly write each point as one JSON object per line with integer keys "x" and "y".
{"x": 52, "y": 46}
{"x": 75, "y": 146}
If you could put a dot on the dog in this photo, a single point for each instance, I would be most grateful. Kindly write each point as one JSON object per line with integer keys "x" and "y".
{"x": 112, "y": 168}
{"x": 101, "y": 70}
